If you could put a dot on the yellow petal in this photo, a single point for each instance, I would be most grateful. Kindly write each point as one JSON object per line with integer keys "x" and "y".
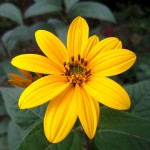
{"x": 42, "y": 90}
{"x": 36, "y": 63}
{"x": 92, "y": 41}
{"x": 60, "y": 116}
{"x": 104, "y": 45}
{"x": 52, "y": 47}
{"x": 88, "y": 112}
{"x": 77, "y": 36}
{"x": 107, "y": 92}
{"x": 112, "y": 62}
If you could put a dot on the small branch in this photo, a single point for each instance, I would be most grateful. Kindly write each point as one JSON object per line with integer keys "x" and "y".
{"x": 5, "y": 49}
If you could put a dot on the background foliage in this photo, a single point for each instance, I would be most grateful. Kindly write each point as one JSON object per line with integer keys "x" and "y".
{"x": 117, "y": 130}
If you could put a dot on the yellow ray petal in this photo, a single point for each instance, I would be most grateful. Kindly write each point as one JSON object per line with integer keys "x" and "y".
{"x": 107, "y": 92}
{"x": 112, "y": 62}
{"x": 36, "y": 63}
{"x": 52, "y": 47}
{"x": 92, "y": 41}
{"x": 104, "y": 45}
{"x": 77, "y": 36}
{"x": 42, "y": 90}
{"x": 88, "y": 112}
{"x": 61, "y": 115}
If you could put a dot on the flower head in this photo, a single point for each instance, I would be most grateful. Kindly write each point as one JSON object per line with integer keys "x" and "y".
{"x": 76, "y": 79}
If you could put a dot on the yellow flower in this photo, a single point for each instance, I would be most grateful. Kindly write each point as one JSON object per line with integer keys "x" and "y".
{"x": 76, "y": 79}
{"x": 20, "y": 81}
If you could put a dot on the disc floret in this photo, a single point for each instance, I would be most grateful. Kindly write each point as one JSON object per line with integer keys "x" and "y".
{"x": 76, "y": 71}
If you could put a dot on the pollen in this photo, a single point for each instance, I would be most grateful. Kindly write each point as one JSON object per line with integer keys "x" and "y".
{"x": 77, "y": 71}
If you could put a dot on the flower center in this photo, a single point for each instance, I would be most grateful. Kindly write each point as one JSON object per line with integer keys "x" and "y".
{"x": 77, "y": 71}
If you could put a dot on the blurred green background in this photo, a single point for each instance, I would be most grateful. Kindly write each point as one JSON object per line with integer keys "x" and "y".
{"x": 128, "y": 20}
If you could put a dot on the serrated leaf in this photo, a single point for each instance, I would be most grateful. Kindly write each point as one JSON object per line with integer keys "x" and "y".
{"x": 70, "y": 3}
{"x": 14, "y": 136}
{"x": 26, "y": 119}
{"x": 36, "y": 140}
{"x": 140, "y": 97}
{"x": 41, "y": 7}
{"x": 117, "y": 128}
{"x": 10, "y": 11}
{"x": 92, "y": 10}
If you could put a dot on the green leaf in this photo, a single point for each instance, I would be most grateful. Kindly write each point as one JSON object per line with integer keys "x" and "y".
{"x": 14, "y": 136}
{"x": 4, "y": 125}
{"x": 9, "y": 42}
{"x": 18, "y": 34}
{"x": 119, "y": 141}
{"x": 92, "y": 10}
{"x": 140, "y": 98}
{"x": 70, "y": 3}
{"x": 1, "y": 48}
{"x": 36, "y": 140}
{"x": 2, "y": 107}
{"x": 41, "y": 7}
{"x": 55, "y": 2}
{"x": 8, "y": 68}
{"x": 10, "y": 11}
{"x": 60, "y": 28}
{"x": 121, "y": 130}
{"x": 42, "y": 26}
{"x": 3, "y": 142}
{"x": 21, "y": 33}
{"x": 26, "y": 119}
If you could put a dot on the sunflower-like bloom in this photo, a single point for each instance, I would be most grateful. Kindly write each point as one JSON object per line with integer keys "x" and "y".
{"x": 24, "y": 82}
{"x": 76, "y": 79}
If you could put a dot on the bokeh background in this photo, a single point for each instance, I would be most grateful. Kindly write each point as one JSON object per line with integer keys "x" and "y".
{"x": 128, "y": 20}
